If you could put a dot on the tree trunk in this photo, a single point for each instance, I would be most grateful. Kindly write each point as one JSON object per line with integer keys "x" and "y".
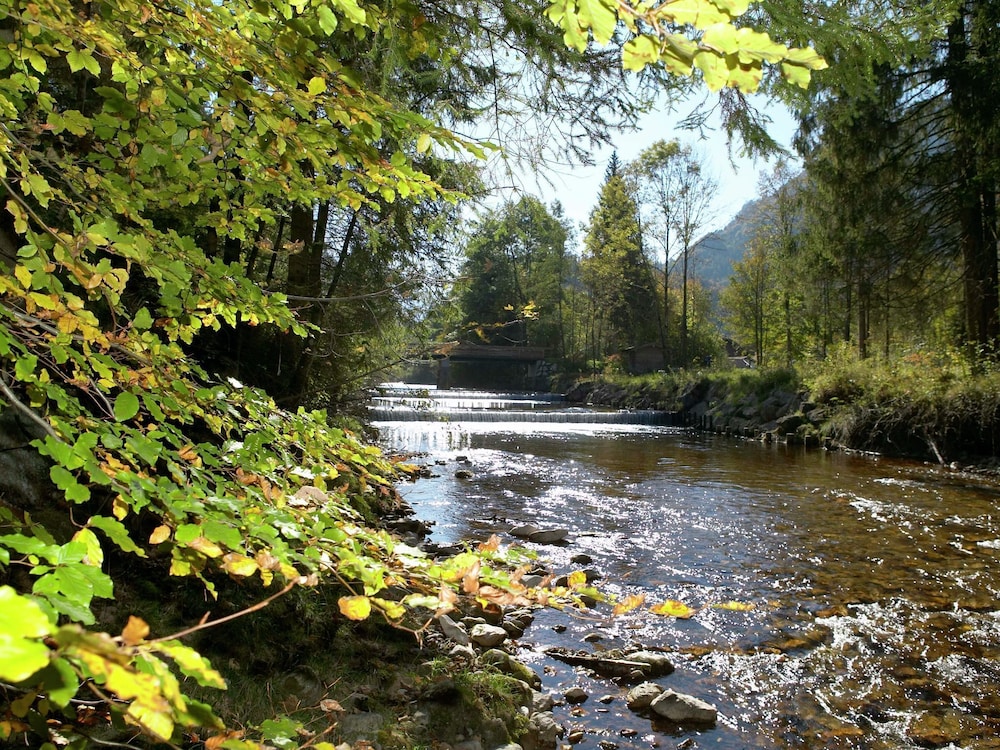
{"x": 975, "y": 198}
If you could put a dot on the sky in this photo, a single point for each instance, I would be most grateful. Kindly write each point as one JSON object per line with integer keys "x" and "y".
{"x": 578, "y": 188}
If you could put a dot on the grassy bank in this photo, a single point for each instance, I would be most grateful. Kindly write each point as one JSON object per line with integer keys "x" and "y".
{"x": 930, "y": 408}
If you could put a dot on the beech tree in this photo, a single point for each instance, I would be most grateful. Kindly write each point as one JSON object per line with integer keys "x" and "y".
{"x": 146, "y": 153}
{"x": 511, "y": 288}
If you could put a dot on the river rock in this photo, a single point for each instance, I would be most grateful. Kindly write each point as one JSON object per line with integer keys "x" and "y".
{"x": 361, "y": 726}
{"x": 518, "y": 621}
{"x": 487, "y": 636}
{"x": 542, "y": 701}
{"x": 549, "y": 536}
{"x": 453, "y": 630}
{"x": 543, "y": 730}
{"x": 524, "y": 530}
{"x": 581, "y": 559}
{"x": 507, "y": 664}
{"x": 642, "y": 695}
{"x": 657, "y": 664}
{"x": 464, "y": 474}
{"x": 683, "y": 709}
{"x": 532, "y": 580}
{"x": 575, "y": 695}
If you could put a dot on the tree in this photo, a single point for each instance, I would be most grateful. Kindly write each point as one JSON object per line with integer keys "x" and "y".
{"x": 693, "y": 201}
{"x": 615, "y": 271}
{"x": 146, "y": 153}
{"x": 748, "y": 298}
{"x": 656, "y": 171}
{"x": 515, "y": 262}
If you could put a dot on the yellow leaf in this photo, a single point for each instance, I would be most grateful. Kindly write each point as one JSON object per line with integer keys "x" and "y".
{"x": 392, "y": 610}
{"x": 577, "y": 578}
{"x": 95, "y": 555}
{"x": 316, "y": 86}
{"x": 135, "y": 631}
{"x": 735, "y": 606}
{"x": 23, "y": 275}
{"x": 355, "y": 607}
{"x": 629, "y": 603}
{"x": 160, "y": 534}
{"x": 155, "y": 719}
{"x": 239, "y": 565}
{"x": 205, "y": 547}
{"x": 119, "y": 508}
{"x": 673, "y": 608}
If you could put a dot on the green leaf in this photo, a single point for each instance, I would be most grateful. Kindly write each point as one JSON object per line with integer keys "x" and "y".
{"x": 142, "y": 320}
{"x": 80, "y": 59}
{"x": 126, "y": 406}
{"x": 316, "y": 86}
{"x": 352, "y": 10}
{"x": 602, "y": 18}
{"x": 59, "y": 682}
{"x": 327, "y": 19}
{"x": 117, "y": 533}
{"x": 193, "y": 664}
{"x": 22, "y": 622}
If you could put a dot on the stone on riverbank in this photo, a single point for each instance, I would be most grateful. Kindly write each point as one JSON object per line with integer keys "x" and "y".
{"x": 487, "y": 636}
{"x": 453, "y": 630}
{"x": 507, "y": 664}
{"x": 543, "y": 731}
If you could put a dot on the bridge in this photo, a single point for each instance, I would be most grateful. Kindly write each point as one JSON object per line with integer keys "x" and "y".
{"x": 455, "y": 351}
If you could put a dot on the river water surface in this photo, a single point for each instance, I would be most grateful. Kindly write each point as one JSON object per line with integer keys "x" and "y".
{"x": 874, "y": 584}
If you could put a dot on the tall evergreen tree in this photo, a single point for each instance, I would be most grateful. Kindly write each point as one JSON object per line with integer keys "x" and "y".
{"x": 616, "y": 273}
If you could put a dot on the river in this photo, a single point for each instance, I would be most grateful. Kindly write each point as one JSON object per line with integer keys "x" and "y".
{"x": 873, "y": 583}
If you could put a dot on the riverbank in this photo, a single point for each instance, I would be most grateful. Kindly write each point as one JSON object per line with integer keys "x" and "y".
{"x": 909, "y": 409}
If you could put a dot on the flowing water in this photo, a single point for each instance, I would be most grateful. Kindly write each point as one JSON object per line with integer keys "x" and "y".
{"x": 874, "y": 583}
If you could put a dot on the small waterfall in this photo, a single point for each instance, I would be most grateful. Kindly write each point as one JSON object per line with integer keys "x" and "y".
{"x": 408, "y": 403}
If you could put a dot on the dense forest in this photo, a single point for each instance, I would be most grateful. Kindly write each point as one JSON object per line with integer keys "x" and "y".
{"x": 222, "y": 221}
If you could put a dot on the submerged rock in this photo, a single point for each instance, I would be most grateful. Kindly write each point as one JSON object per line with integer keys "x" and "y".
{"x": 524, "y": 530}
{"x": 632, "y": 665}
{"x": 539, "y": 536}
{"x": 683, "y": 709}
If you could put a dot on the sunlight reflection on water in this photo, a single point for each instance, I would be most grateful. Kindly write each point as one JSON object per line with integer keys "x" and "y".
{"x": 874, "y": 583}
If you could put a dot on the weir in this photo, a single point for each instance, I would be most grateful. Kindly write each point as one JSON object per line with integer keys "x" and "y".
{"x": 400, "y": 402}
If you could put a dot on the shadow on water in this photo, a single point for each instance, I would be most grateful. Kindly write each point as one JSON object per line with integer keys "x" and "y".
{"x": 874, "y": 584}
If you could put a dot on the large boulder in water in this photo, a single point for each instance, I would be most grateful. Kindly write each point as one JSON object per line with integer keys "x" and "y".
{"x": 683, "y": 709}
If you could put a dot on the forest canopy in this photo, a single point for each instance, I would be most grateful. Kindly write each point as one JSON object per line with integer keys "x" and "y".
{"x": 197, "y": 198}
